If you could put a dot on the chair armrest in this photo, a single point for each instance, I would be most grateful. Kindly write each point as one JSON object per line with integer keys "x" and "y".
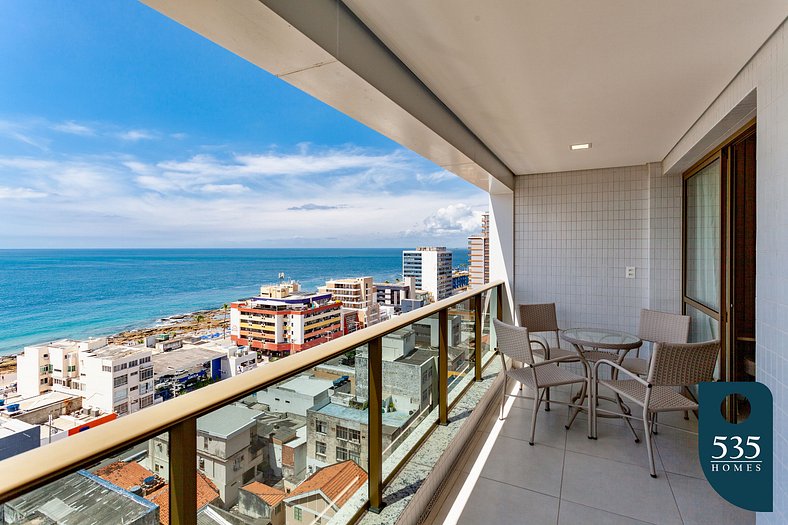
{"x": 556, "y": 360}
{"x": 620, "y": 369}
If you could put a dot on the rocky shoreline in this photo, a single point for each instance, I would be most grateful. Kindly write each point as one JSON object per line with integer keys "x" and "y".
{"x": 175, "y": 325}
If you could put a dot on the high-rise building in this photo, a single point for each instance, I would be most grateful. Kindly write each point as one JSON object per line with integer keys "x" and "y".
{"x": 479, "y": 255}
{"x": 359, "y": 305}
{"x": 431, "y": 267}
{"x": 283, "y": 321}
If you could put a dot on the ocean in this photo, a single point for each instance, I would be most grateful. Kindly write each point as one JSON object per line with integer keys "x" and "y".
{"x": 52, "y": 294}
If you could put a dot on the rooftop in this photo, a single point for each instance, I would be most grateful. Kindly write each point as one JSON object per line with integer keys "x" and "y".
{"x": 13, "y": 426}
{"x": 113, "y": 350}
{"x": 390, "y": 419}
{"x": 190, "y": 356}
{"x": 82, "y": 499}
{"x": 308, "y": 385}
{"x": 206, "y": 493}
{"x": 270, "y": 495}
{"x": 227, "y": 421}
{"x": 336, "y": 482}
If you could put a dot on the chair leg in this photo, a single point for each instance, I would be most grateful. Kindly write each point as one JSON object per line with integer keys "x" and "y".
{"x": 503, "y": 396}
{"x": 537, "y": 402}
{"x": 647, "y": 430}
{"x": 576, "y": 410}
{"x": 591, "y": 413}
{"x": 654, "y": 425}
{"x": 629, "y": 423}
{"x": 547, "y": 399}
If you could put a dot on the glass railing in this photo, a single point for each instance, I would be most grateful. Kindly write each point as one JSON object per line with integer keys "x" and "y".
{"x": 311, "y": 438}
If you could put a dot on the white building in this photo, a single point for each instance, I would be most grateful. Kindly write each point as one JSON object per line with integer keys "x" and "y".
{"x": 115, "y": 378}
{"x": 358, "y": 296}
{"x": 228, "y": 449}
{"x": 297, "y": 395}
{"x": 109, "y": 377}
{"x": 431, "y": 268}
{"x": 237, "y": 361}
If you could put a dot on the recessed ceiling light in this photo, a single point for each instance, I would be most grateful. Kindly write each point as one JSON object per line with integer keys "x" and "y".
{"x": 587, "y": 145}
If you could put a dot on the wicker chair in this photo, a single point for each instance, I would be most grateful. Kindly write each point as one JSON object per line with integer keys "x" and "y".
{"x": 672, "y": 364}
{"x": 514, "y": 343}
{"x": 657, "y": 327}
{"x": 541, "y": 318}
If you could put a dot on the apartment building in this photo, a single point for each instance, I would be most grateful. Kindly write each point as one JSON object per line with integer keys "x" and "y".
{"x": 479, "y": 255}
{"x": 116, "y": 378}
{"x": 431, "y": 268}
{"x": 108, "y": 377}
{"x": 229, "y": 450}
{"x": 359, "y": 301}
{"x": 392, "y": 294}
{"x": 283, "y": 320}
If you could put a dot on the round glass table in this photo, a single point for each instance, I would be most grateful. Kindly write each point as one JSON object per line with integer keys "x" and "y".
{"x": 595, "y": 344}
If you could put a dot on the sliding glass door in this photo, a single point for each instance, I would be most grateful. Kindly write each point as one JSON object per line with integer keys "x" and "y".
{"x": 718, "y": 285}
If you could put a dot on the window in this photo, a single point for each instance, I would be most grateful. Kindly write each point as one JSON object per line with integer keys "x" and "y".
{"x": 133, "y": 363}
{"x": 120, "y": 394}
{"x": 121, "y": 409}
{"x": 342, "y": 454}
{"x": 145, "y": 360}
{"x": 120, "y": 381}
{"x": 348, "y": 434}
{"x": 72, "y": 368}
{"x": 320, "y": 426}
{"x": 202, "y": 464}
{"x": 297, "y": 515}
{"x": 320, "y": 450}
{"x": 106, "y": 368}
{"x": 146, "y": 373}
{"x": 146, "y": 401}
{"x": 132, "y": 389}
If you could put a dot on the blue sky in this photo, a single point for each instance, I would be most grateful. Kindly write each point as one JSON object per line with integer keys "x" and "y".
{"x": 121, "y": 128}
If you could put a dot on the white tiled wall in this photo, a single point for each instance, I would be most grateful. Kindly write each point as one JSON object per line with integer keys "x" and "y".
{"x": 767, "y": 73}
{"x": 575, "y": 234}
{"x": 664, "y": 240}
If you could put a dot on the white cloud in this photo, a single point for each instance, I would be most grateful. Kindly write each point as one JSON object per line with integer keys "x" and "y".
{"x": 73, "y": 128}
{"x": 455, "y": 218}
{"x": 134, "y": 135}
{"x": 435, "y": 177}
{"x": 224, "y": 188}
{"x": 20, "y": 193}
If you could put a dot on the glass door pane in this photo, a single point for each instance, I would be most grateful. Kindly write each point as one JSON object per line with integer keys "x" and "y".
{"x": 703, "y": 236}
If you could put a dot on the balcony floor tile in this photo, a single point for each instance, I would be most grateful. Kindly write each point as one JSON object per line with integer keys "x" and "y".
{"x": 494, "y": 502}
{"x": 571, "y": 513}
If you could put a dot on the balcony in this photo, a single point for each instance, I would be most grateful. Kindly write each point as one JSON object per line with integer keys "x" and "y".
{"x": 446, "y": 458}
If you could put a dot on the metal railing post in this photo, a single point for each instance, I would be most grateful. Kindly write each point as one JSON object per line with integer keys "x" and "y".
{"x": 375, "y": 435}
{"x": 477, "y": 328}
{"x": 443, "y": 367}
{"x": 183, "y": 473}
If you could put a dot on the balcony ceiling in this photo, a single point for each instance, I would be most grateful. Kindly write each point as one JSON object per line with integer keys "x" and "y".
{"x": 529, "y": 78}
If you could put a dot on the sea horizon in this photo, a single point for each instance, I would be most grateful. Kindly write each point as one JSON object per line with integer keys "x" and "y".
{"x": 55, "y": 293}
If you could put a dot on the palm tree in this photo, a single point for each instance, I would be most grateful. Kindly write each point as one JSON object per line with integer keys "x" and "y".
{"x": 224, "y": 307}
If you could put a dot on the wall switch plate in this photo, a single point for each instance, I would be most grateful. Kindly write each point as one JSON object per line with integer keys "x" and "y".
{"x": 630, "y": 272}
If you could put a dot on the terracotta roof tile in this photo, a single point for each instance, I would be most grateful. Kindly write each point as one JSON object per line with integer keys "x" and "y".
{"x": 206, "y": 493}
{"x": 337, "y": 482}
{"x": 124, "y": 475}
{"x": 270, "y": 495}
{"x": 127, "y": 475}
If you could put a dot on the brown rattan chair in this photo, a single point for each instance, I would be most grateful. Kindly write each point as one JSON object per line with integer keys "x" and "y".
{"x": 657, "y": 327}
{"x": 541, "y": 318}
{"x": 672, "y": 365}
{"x": 514, "y": 343}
